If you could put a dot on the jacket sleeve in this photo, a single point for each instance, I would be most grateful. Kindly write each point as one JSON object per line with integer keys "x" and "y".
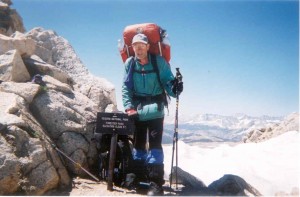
{"x": 166, "y": 75}
{"x": 127, "y": 93}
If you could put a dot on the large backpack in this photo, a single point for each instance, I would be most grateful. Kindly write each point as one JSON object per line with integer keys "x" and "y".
{"x": 157, "y": 37}
{"x": 123, "y": 160}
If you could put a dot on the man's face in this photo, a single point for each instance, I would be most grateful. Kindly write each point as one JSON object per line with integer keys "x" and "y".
{"x": 140, "y": 50}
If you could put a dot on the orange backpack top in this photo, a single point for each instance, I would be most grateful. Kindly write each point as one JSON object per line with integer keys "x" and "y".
{"x": 157, "y": 38}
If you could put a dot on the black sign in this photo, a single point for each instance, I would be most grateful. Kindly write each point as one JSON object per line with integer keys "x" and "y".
{"x": 117, "y": 123}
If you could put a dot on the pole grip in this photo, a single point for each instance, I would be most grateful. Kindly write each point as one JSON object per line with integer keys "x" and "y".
{"x": 178, "y": 75}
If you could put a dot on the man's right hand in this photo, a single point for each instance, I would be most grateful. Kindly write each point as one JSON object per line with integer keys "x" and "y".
{"x": 131, "y": 112}
{"x": 177, "y": 86}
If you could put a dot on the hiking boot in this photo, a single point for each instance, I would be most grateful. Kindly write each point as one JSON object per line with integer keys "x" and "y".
{"x": 155, "y": 190}
{"x": 156, "y": 173}
{"x": 142, "y": 188}
{"x": 140, "y": 171}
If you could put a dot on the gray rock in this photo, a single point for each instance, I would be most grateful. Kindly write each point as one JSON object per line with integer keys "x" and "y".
{"x": 18, "y": 41}
{"x": 36, "y": 65}
{"x": 25, "y": 90}
{"x": 186, "y": 179}
{"x": 232, "y": 185}
{"x": 57, "y": 51}
{"x": 34, "y": 163}
{"x": 9, "y": 106}
{"x": 290, "y": 123}
{"x": 54, "y": 84}
{"x": 12, "y": 67}
{"x": 43, "y": 178}
{"x": 60, "y": 112}
{"x": 66, "y": 117}
{"x": 76, "y": 146}
{"x": 10, "y": 168}
{"x": 23, "y": 135}
{"x": 10, "y": 20}
{"x": 7, "y": 2}
{"x": 228, "y": 185}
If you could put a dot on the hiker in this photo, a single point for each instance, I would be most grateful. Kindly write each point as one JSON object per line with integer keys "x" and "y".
{"x": 144, "y": 97}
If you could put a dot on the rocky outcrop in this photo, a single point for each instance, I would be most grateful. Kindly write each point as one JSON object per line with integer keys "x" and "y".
{"x": 10, "y": 168}
{"x": 232, "y": 185}
{"x": 25, "y": 90}
{"x": 290, "y": 123}
{"x": 55, "y": 50}
{"x": 228, "y": 185}
{"x": 49, "y": 102}
{"x": 12, "y": 67}
{"x": 10, "y": 20}
{"x": 18, "y": 41}
{"x": 28, "y": 163}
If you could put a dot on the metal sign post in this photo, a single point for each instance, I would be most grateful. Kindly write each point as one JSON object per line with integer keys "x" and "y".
{"x": 112, "y": 159}
{"x": 115, "y": 124}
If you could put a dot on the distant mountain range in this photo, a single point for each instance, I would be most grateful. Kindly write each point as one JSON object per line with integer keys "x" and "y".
{"x": 214, "y": 128}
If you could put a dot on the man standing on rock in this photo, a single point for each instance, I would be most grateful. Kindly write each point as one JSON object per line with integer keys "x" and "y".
{"x": 147, "y": 78}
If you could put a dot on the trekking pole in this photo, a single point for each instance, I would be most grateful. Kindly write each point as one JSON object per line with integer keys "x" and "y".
{"x": 77, "y": 164}
{"x": 175, "y": 137}
{"x": 62, "y": 153}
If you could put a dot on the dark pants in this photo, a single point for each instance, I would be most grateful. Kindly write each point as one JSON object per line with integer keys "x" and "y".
{"x": 149, "y": 163}
{"x": 155, "y": 128}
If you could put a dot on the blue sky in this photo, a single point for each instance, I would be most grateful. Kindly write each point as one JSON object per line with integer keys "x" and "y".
{"x": 235, "y": 56}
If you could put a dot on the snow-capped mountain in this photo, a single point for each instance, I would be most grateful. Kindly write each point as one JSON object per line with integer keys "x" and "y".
{"x": 215, "y": 128}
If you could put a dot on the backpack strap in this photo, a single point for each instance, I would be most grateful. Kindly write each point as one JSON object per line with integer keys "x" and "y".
{"x": 155, "y": 68}
{"x": 128, "y": 79}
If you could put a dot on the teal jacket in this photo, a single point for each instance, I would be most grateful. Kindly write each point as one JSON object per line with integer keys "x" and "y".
{"x": 147, "y": 84}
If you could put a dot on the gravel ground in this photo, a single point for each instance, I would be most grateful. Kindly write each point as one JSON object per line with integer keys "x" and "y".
{"x": 86, "y": 187}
